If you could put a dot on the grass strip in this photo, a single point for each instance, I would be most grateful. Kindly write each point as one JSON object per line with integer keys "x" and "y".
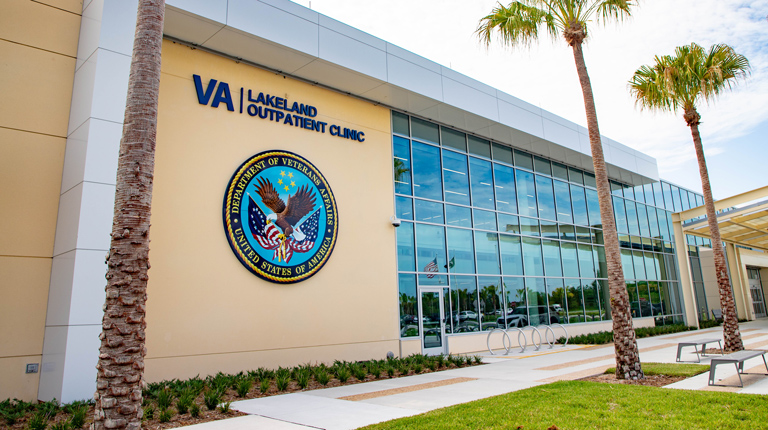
{"x": 670, "y": 369}
{"x": 589, "y": 405}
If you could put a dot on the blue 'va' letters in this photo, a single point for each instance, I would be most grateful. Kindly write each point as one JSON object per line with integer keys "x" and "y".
{"x": 222, "y": 93}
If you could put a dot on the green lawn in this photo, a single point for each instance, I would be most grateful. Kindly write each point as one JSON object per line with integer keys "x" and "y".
{"x": 590, "y": 405}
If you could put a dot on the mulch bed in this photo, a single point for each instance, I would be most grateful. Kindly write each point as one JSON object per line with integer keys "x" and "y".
{"x": 650, "y": 381}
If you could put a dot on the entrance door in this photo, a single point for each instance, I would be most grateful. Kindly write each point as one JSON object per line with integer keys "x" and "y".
{"x": 756, "y": 290}
{"x": 432, "y": 321}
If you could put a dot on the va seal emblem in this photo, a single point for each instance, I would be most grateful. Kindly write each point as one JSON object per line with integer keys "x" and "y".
{"x": 280, "y": 217}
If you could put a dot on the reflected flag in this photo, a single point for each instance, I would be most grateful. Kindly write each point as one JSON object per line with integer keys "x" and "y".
{"x": 431, "y": 267}
{"x": 451, "y": 263}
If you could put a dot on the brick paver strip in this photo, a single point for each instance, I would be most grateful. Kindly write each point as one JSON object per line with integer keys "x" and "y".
{"x": 602, "y": 357}
{"x": 577, "y": 375}
{"x": 752, "y": 336}
{"x": 393, "y": 391}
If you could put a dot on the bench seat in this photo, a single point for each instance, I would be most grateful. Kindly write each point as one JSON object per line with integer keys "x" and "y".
{"x": 695, "y": 343}
{"x": 737, "y": 358}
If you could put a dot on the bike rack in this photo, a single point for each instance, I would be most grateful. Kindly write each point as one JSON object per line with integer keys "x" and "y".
{"x": 506, "y": 341}
{"x": 533, "y": 341}
{"x": 554, "y": 338}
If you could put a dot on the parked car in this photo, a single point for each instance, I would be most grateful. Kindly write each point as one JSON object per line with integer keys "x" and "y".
{"x": 467, "y": 315}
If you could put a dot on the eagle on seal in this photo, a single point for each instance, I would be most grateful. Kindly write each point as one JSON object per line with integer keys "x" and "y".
{"x": 285, "y": 215}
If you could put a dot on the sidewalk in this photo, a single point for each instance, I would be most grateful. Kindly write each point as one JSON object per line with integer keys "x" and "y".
{"x": 358, "y": 405}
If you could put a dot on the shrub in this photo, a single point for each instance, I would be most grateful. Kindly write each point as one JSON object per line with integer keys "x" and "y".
{"x": 165, "y": 415}
{"x": 185, "y": 401}
{"x": 194, "y": 410}
{"x": 390, "y": 370}
{"x": 243, "y": 387}
{"x": 149, "y": 413}
{"x": 164, "y": 398}
{"x": 302, "y": 377}
{"x": 62, "y": 425}
{"x": 282, "y": 381}
{"x": 39, "y": 421}
{"x": 343, "y": 374}
{"x": 264, "y": 385}
{"x": 211, "y": 398}
{"x": 322, "y": 377}
{"x": 78, "y": 416}
{"x": 49, "y": 409}
{"x": 225, "y": 407}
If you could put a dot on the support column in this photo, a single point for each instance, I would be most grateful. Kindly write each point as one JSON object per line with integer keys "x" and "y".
{"x": 684, "y": 266}
{"x": 740, "y": 283}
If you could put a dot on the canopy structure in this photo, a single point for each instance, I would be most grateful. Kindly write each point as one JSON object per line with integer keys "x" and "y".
{"x": 743, "y": 224}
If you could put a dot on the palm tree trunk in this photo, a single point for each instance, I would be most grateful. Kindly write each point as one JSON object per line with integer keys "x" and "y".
{"x": 121, "y": 359}
{"x": 624, "y": 341}
{"x": 731, "y": 332}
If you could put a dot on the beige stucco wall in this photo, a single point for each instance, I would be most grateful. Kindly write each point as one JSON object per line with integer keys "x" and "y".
{"x": 206, "y": 312}
{"x": 38, "y": 45}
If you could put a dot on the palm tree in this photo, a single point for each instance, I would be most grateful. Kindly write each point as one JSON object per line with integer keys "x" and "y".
{"x": 691, "y": 76}
{"x": 121, "y": 359}
{"x": 519, "y": 24}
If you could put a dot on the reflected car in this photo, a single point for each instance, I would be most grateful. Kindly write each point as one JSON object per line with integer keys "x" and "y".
{"x": 519, "y": 317}
{"x": 467, "y": 315}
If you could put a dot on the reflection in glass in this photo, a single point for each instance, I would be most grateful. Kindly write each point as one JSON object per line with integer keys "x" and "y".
{"x": 429, "y": 211}
{"x": 546, "y": 198}
{"x": 403, "y": 207}
{"x": 557, "y": 297}
{"x": 537, "y": 301}
{"x": 409, "y": 324}
{"x": 481, "y": 179}
{"x": 529, "y": 226}
{"x": 642, "y": 215}
{"x": 567, "y": 232}
{"x": 575, "y": 301}
{"x": 593, "y": 208}
{"x": 485, "y": 220}
{"x": 487, "y": 252}
{"x": 654, "y": 292}
{"x": 634, "y": 302}
{"x": 532, "y": 257}
{"x": 591, "y": 289}
{"x": 511, "y": 255}
{"x": 455, "y": 178}
{"x": 601, "y": 267}
{"x": 637, "y": 259}
{"x": 506, "y": 199}
{"x": 563, "y": 201}
{"x": 644, "y": 299}
{"x": 464, "y": 300}
{"x": 621, "y": 215}
{"x": 509, "y": 223}
{"x": 526, "y": 193}
{"x": 516, "y": 314}
{"x": 586, "y": 265}
{"x": 552, "y": 258}
{"x": 650, "y": 266}
{"x": 461, "y": 255}
{"x": 458, "y": 216}
{"x": 634, "y": 227}
{"x": 570, "y": 260}
{"x": 491, "y": 301}
{"x": 627, "y": 265}
{"x": 549, "y": 229}
{"x": 426, "y": 172}
{"x": 431, "y": 317}
{"x": 405, "y": 255}
{"x": 430, "y": 249}
{"x": 653, "y": 222}
{"x": 402, "y": 165}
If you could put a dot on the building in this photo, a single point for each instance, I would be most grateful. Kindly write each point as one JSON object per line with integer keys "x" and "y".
{"x": 437, "y": 204}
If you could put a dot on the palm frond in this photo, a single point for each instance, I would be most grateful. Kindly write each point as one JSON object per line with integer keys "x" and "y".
{"x": 618, "y": 10}
{"x": 516, "y": 24}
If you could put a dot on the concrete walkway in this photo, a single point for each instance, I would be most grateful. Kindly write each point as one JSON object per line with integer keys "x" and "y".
{"x": 353, "y": 406}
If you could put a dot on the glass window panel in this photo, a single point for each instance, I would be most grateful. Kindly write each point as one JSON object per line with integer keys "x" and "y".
{"x": 506, "y": 198}
{"x": 699, "y": 200}
{"x": 644, "y": 299}
{"x": 593, "y": 208}
{"x": 454, "y": 139}
{"x": 627, "y": 264}
{"x": 529, "y": 226}
{"x": 430, "y": 248}
{"x": 461, "y": 255}
{"x": 404, "y": 207}
{"x": 634, "y": 227}
{"x": 650, "y": 266}
{"x": 648, "y": 191}
{"x": 575, "y": 301}
{"x": 509, "y": 223}
{"x": 479, "y": 146}
{"x": 654, "y": 293}
{"x": 639, "y": 194}
{"x": 425, "y": 130}
{"x": 511, "y": 255}
{"x": 405, "y": 256}
{"x": 557, "y": 298}
{"x": 532, "y": 257}
{"x": 597, "y": 236}
{"x": 481, "y": 179}
{"x": 665, "y": 296}
{"x": 409, "y": 323}
{"x": 559, "y": 171}
{"x": 592, "y": 301}
{"x": 563, "y": 202}
{"x": 491, "y": 301}
{"x": 458, "y": 216}
{"x": 579, "y": 202}
{"x": 400, "y": 123}
{"x": 546, "y": 198}
{"x": 639, "y": 264}
{"x": 589, "y": 180}
{"x": 665, "y": 227}
{"x": 552, "y": 258}
{"x": 502, "y": 153}
{"x": 526, "y": 193}
{"x": 676, "y": 199}
{"x": 514, "y": 289}
{"x": 537, "y": 301}
{"x": 485, "y": 220}
{"x": 642, "y": 216}
{"x": 455, "y": 177}
{"x": 487, "y": 253}
{"x": 667, "y": 191}
{"x": 570, "y": 260}
{"x": 576, "y": 175}
{"x": 583, "y": 234}
{"x": 586, "y": 265}
{"x": 685, "y": 201}
{"x": 616, "y": 189}
{"x": 523, "y": 159}
{"x": 658, "y": 196}
{"x": 629, "y": 192}
{"x": 549, "y": 229}
{"x": 429, "y": 211}
{"x": 541, "y": 165}
{"x": 601, "y": 267}
{"x": 621, "y": 215}
{"x": 427, "y": 182}
{"x": 567, "y": 232}
{"x": 634, "y": 301}
{"x": 464, "y": 299}
{"x": 402, "y": 165}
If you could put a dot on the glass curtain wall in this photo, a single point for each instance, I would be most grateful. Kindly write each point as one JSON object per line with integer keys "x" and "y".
{"x": 516, "y": 239}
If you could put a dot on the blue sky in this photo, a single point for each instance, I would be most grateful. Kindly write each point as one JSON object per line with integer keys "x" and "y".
{"x": 734, "y": 129}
